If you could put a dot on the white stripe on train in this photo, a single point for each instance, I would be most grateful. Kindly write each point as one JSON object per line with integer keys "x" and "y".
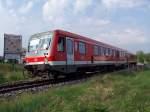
{"x": 76, "y": 62}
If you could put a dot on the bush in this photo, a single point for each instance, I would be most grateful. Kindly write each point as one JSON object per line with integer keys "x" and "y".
{"x": 2, "y": 78}
{"x": 93, "y": 107}
{"x": 15, "y": 76}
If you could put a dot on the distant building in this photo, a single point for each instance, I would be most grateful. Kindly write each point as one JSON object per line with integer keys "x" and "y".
{"x": 12, "y": 47}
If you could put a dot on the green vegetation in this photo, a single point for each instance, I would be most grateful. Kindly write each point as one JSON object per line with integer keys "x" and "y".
{"x": 125, "y": 91}
{"x": 9, "y": 73}
{"x": 143, "y": 57}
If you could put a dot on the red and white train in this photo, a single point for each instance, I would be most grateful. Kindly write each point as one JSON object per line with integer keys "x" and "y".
{"x": 60, "y": 51}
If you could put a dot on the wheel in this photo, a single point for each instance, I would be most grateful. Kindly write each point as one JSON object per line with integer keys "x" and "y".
{"x": 54, "y": 75}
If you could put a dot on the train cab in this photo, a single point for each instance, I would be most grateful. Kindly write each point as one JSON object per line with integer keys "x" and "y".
{"x": 50, "y": 52}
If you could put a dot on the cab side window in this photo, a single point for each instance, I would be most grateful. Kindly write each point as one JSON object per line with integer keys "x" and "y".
{"x": 61, "y": 44}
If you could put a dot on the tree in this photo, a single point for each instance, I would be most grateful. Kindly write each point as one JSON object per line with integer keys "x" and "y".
{"x": 140, "y": 57}
{"x": 147, "y": 57}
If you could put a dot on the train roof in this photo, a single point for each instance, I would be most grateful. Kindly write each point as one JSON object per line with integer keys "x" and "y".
{"x": 73, "y": 35}
{"x": 88, "y": 39}
{"x": 41, "y": 33}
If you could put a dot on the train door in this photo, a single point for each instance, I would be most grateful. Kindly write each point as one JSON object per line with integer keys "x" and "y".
{"x": 70, "y": 51}
{"x": 117, "y": 54}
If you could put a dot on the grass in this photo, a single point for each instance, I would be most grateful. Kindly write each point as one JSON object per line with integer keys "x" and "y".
{"x": 10, "y": 73}
{"x": 115, "y": 92}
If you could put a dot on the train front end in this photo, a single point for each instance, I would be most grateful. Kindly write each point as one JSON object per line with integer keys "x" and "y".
{"x": 39, "y": 53}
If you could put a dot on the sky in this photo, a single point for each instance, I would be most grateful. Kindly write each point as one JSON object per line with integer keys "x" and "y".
{"x": 123, "y": 23}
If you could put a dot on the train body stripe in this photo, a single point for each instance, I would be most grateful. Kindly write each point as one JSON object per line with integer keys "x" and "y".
{"x": 76, "y": 62}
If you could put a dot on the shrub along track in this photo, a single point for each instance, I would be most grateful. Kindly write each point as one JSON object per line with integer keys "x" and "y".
{"x": 22, "y": 85}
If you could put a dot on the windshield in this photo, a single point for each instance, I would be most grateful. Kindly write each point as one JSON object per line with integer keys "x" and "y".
{"x": 40, "y": 43}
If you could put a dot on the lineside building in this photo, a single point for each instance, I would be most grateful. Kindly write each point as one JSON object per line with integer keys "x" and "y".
{"x": 12, "y": 47}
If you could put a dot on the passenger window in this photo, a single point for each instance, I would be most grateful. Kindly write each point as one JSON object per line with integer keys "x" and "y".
{"x": 123, "y": 54}
{"x": 108, "y": 52}
{"x": 120, "y": 54}
{"x": 104, "y": 51}
{"x": 61, "y": 44}
{"x": 95, "y": 50}
{"x": 100, "y": 51}
{"x": 113, "y": 53}
{"x": 82, "y": 48}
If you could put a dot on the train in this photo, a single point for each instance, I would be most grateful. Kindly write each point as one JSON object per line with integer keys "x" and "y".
{"x": 61, "y": 52}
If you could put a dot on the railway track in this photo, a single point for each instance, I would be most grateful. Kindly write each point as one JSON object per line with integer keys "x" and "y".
{"x": 21, "y": 85}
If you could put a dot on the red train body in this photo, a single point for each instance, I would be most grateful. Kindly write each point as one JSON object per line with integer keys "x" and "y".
{"x": 60, "y": 51}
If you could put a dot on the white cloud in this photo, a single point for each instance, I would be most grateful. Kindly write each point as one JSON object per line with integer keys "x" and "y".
{"x": 81, "y": 5}
{"x": 129, "y": 36}
{"x": 0, "y": 6}
{"x": 123, "y": 3}
{"x": 13, "y": 23}
{"x": 8, "y": 25}
{"x": 149, "y": 6}
{"x": 69, "y": 15}
{"x": 93, "y": 22}
{"x": 54, "y": 10}
{"x": 93, "y": 26}
{"x": 9, "y": 3}
{"x": 26, "y": 7}
{"x": 90, "y": 27}
{"x": 58, "y": 11}
{"x": 8, "y": 19}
